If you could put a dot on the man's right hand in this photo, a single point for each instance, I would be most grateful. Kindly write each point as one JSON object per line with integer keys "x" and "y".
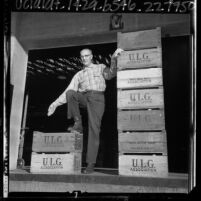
{"x": 51, "y": 109}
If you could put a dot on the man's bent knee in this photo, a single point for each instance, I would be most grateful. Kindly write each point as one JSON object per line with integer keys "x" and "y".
{"x": 70, "y": 94}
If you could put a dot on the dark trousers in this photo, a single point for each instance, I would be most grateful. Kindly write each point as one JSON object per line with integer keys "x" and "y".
{"x": 94, "y": 102}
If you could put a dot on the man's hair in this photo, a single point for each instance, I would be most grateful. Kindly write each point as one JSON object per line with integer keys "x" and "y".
{"x": 87, "y": 49}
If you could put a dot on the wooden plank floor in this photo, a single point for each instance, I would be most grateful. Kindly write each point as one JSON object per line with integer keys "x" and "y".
{"x": 102, "y": 180}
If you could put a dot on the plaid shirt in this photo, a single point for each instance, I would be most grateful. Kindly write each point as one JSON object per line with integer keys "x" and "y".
{"x": 90, "y": 78}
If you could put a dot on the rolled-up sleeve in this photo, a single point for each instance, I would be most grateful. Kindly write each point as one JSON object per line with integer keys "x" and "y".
{"x": 111, "y": 72}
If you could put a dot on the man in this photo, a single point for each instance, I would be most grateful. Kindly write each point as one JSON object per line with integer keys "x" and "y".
{"x": 87, "y": 90}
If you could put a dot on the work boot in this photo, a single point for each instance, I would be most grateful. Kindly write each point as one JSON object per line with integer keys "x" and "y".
{"x": 89, "y": 169}
{"x": 77, "y": 127}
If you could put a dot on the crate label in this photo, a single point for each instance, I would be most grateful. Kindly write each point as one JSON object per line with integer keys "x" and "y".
{"x": 139, "y": 78}
{"x": 140, "y": 59}
{"x": 56, "y": 142}
{"x": 139, "y": 39}
{"x": 141, "y": 120}
{"x": 143, "y": 98}
{"x": 143, "y": 165}
{"x": 56, "y": 163}
{"x": 143, "y": 142}
{"x": 49, "y": 163}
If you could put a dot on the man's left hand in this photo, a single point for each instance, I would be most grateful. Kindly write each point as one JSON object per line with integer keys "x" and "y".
{"x": 117, "y": 52}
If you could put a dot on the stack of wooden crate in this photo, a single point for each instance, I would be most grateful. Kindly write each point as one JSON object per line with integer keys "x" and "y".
{"x": 57, "y": 153}
{"x": 141, "y": 122}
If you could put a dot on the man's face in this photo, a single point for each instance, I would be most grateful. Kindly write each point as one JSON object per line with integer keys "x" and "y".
{"x": 86, "y": 57}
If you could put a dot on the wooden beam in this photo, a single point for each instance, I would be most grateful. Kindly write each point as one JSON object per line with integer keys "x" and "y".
{"x": 19, "y": 68}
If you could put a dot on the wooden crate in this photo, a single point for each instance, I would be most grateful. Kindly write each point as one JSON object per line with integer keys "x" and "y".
{"x": 140, "y": 98}
{"x": 143, "y": 142}
{"x": 140, "y": 59}
{"x": 136, "y": 120}
{"x": 139, "y": 78}
{"x": 57, "y": 142}
{"x": 139, "y": 39}
{"x": 68, "y": 163}
{"x": 143, "y": 165}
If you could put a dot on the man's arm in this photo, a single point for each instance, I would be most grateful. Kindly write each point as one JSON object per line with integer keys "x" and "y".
{"x": 62, "y": 98}
{"x": 111, "y": 72}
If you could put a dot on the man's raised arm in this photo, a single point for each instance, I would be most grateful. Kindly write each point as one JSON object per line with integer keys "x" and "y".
{"x": 62, "y": 98}
{"x": 111, "y": 72}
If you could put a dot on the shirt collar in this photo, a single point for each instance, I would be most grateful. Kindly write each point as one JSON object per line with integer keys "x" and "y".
{"x": 91, "y": 66}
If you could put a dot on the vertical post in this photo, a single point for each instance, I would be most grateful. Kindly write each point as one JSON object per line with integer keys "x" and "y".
{"x": 192, "y": 136}
{"x": 20, "y": 162}
{"x": 19, "y": 58}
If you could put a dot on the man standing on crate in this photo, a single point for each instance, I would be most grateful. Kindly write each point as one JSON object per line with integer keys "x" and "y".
{"x": 87, "y": 90}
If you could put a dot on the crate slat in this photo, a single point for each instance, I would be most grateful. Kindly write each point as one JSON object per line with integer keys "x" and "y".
{"x": 140, "y": 59}
{"x": 143, "y": 165}
{"x": 140, "y": 98}
{"x": 143, "y": 142}
{"x": 139, "y": 78}
{"x": 57, "y": 142}
{"x": 139, "y": 39}
{"x": 141, "y": 120}
{"x": 68, "y": 163}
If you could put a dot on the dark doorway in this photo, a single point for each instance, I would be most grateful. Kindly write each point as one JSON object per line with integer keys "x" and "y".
{"x": 49, "y": 73}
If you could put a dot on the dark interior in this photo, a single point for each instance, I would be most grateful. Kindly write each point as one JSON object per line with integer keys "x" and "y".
{"x": 50, "y": 71}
